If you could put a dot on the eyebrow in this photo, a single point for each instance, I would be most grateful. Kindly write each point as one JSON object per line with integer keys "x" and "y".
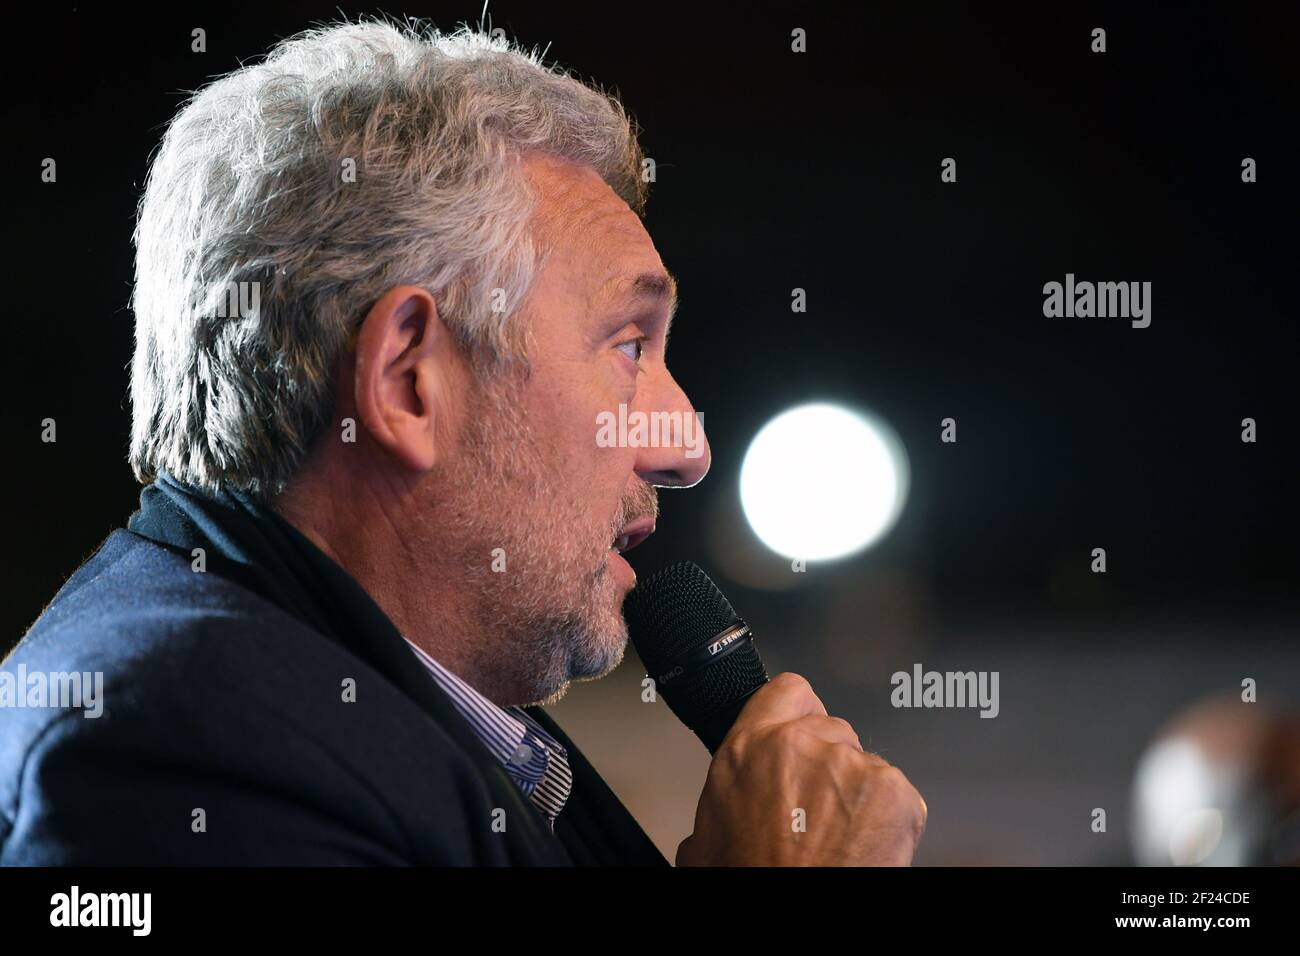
{"x": 655, "y": 287}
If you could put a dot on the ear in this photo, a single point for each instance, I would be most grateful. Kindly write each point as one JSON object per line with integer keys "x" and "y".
{"x": 407, "y": 376}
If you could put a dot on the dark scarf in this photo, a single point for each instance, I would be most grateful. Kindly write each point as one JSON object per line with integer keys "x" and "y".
{"x": 251, "y": 545}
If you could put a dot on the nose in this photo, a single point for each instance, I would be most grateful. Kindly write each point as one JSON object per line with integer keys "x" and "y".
{"x": 681, "y": 457}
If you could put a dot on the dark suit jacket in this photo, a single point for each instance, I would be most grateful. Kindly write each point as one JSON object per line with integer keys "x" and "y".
{"x": 223, "y": 694}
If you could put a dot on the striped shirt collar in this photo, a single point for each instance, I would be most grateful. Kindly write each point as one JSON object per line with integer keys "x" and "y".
{"x": 533, "y": 759}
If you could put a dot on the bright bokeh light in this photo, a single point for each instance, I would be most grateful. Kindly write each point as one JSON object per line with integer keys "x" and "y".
{"x": 821, "y": 482}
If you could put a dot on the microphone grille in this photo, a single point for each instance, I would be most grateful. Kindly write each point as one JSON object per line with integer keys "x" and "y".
{"x": 674, "y": 610}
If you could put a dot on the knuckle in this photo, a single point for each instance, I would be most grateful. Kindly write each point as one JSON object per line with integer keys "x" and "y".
{"x": 875, "y": 759}
{"x": 843, "y": 760}
{"x": 907, "y": 800}
{"x": 789, "y": 680}
{"x": 921, "y": 819}
{"x": 887, "y": 786}
{"x": 730, "y": 756}
{"x": 795, "y": 736}
{"x": 916, "y": 816}
{"x": 845, "y": 726}
{"x": 888, "y": 791}
{"x": 894, "y": 779}
{"x": 736, "y": 744}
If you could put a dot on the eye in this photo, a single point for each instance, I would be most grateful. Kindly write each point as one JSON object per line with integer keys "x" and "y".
{"x": 633, "y": 348}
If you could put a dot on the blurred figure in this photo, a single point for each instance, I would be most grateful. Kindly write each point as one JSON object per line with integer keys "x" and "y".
{"x": 1220, "y": 786}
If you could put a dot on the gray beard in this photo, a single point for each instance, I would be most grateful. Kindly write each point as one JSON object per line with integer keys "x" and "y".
{"x": 546, "y": 620}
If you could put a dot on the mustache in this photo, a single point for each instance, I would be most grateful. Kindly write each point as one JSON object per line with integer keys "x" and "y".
{"x": 643, "y": 502}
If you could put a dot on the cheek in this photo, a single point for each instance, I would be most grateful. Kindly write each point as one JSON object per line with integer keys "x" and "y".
{"x": 602, "y": 453}
{"x": 584, "y": 419}
{"x": 602, "y": 461}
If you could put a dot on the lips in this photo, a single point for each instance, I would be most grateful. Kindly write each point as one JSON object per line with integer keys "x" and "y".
{"x": 632, "y": 534}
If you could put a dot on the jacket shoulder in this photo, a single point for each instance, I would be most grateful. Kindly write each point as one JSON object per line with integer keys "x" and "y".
{"x": 224, "y": 730}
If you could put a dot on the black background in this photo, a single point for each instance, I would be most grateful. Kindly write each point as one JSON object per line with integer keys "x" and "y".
{"x": 821, "y": 171}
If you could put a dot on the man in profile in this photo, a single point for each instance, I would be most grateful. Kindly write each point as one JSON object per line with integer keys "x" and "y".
{"x": 387, "y": 284}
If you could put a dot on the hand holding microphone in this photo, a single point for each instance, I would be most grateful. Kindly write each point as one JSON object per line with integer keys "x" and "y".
{"x": 785, "y": 754}
{"x": 788, "y": 785}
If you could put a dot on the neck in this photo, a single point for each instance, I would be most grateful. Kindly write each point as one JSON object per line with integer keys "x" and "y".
{"x": 367, "y": 532}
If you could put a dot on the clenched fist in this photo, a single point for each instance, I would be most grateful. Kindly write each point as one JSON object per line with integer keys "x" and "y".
{"x": 784, "y": 754}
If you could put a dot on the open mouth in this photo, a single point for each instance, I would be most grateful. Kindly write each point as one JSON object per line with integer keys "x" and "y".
{"x": 632, "y": 534}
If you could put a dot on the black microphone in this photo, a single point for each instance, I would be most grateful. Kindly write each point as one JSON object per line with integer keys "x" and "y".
{"x": 698, "y": 651}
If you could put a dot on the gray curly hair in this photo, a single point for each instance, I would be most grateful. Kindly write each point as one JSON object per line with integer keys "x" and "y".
{"x": 251, "y": 190}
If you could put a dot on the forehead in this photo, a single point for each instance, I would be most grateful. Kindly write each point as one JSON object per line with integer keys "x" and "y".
{"x": 595, "y": 243}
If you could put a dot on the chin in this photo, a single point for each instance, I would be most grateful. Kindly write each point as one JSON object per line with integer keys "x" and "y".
{"x": 604, "y": 652}
{"x": 588, "y": 669}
